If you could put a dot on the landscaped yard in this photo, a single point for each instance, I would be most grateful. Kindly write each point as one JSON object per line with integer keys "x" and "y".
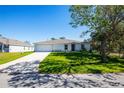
{"x": 77, "y": 62}
{"x": 7, "y": 57}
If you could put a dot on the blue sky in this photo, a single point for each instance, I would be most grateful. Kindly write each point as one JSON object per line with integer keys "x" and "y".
{"x": 37, "y": 23}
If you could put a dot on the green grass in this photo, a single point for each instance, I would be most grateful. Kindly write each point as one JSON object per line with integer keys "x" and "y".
{"x": 7, "y": 57}
{"x": 77, "y": 63}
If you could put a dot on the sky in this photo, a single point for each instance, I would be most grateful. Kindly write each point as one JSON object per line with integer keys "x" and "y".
{"x": 38, "y": 23}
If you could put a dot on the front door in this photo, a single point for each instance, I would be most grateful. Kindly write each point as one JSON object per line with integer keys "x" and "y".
{"x": 72, "y": 47}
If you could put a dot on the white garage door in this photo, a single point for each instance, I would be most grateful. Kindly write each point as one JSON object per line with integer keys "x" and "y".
{"x": 46, "y": 48}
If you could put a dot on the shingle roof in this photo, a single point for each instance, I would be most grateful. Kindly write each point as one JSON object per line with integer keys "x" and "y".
{"x": 58, "y": 41}
{"x": 13, "y": 42}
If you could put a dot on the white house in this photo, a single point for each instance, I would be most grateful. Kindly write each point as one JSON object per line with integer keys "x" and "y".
{"x": 11, "y": 45}
{"x": 61, "y": 45}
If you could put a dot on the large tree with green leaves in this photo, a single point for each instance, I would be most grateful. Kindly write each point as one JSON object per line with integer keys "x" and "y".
{"x": 119, "y": 38}
{"x": 102, "y": 22}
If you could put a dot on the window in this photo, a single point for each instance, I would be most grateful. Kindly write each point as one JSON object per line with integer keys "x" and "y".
{"x": 66, "y": 47}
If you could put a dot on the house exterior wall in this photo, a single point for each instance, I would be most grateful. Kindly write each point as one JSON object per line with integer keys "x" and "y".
{"x": 58, "y": 47}
{"x": 20, "y": 49}
{"x": 77, "y": 47}
{"x": 87, "y": 46}
{"x": 69, "y": 47}
{"x": 29, "y": 48}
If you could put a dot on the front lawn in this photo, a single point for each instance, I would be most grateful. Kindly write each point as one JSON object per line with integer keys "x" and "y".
{"x": 77, "y": 63}
{"x": 7, "y": 57}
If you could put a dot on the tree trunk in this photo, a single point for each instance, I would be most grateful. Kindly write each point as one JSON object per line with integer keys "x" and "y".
{"x": 119, "y": 50}
{"x": 123, "y": 55}
{"x": 103, "y": 51}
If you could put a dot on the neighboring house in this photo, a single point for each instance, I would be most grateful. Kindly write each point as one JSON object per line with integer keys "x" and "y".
{"x": 61, "y": 45}
{"x": 11, "y": 45}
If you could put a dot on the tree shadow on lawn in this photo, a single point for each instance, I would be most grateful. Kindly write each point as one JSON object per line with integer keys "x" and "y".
{"x": 60, "y": 67}
{"x": 77, "y": 55}
{"x": 78, "y": 59}
{"x": 85, "y": 57}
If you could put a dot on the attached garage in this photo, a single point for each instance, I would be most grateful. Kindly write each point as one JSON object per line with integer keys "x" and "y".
{"x": 40, "y": 47}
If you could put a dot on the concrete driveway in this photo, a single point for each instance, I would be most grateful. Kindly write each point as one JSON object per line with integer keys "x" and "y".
{"x": 37, "y": 56}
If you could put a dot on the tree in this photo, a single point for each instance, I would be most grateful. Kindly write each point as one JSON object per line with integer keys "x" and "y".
{"x": 53, "y": 38}
{"x": 102, "y": 22}
{"x": 62, "y": 37}
{"x": 28, "y": 42}
{"x": 119, "y": 44}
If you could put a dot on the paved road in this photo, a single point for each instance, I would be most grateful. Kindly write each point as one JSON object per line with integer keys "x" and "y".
{"x": 36, "y": 80}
